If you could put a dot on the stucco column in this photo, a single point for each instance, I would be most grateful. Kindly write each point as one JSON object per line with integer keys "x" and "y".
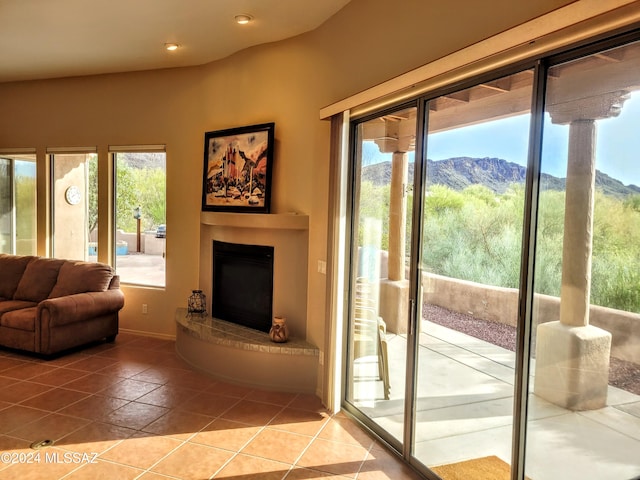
{"x": 72, "y": 240}
{"x": 575, "y": 288}
{"x": 398, "y": 216}
{"x": 394, "y": 290}
{"x": 572, "y": 357}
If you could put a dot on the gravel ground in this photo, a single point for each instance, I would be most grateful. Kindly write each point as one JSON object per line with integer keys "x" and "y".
{"x": 622, "y": 374}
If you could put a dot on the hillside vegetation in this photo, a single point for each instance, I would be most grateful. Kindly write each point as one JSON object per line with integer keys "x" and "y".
{"x": 474, "y": 232}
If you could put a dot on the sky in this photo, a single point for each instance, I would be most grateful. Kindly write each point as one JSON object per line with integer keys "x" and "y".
{"x": 617, "y": 144}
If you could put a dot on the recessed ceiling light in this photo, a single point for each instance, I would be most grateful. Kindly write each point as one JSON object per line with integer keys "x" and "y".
{"x": 243, "y": 19}
{"x": 171, "y": 46}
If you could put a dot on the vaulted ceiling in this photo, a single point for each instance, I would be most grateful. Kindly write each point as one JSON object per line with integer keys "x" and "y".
{"x": 59, "y": 38}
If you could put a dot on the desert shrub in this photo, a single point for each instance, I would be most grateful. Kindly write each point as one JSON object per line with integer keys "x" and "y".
{"x": 615, "y": 283}
{"x": 549, "y": 238}
{"x": 481, "y": 241}
{"x": 373, "y": 215}
{"x": 615, "y": 275}
{"x": 441, "y": 199}
{"x": 476, "y": 235}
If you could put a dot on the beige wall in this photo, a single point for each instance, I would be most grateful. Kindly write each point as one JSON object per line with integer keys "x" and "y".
{"x": 287, "y": 82}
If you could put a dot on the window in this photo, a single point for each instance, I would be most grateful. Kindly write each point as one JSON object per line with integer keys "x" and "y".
{"x": 18, "y": 204}
{"x": 75, "y": 205}
{"x": 140, "y": 211}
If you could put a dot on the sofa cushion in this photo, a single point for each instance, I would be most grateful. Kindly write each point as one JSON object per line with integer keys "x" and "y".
{"x": 12, "y": 268}
{"x": 82, "y": 277}
{"x": 23, "y": 319}
{"x": 11, "y": 305}
{"x": 38, "y": 279}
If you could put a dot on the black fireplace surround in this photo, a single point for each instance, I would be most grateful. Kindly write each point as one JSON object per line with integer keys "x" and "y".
{"x": 243, "y": 284}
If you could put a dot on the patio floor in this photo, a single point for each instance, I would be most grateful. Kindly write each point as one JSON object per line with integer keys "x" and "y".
{"x": 465, "y": 405}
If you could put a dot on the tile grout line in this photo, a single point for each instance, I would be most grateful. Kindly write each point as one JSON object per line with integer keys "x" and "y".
{"x": 253, "y": 437}
{"x": 315, "y": 437}
{"x": 185, "y": 441}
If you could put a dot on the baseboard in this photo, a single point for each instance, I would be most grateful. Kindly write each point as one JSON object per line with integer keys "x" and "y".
{"x": 162, "y": 336}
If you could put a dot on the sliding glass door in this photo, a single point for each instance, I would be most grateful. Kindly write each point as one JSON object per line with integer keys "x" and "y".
{"x": 585, "y": 396}
{"x": 476, "y": 159}
{"x": 494, "y": 321}
{"x": 377, "y": 341}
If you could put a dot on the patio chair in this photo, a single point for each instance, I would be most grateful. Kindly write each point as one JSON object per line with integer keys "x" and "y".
{"x": 370, "y": 331}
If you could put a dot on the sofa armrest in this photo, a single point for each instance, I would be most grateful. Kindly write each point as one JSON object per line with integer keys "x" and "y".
{"x": 78, "y": 307}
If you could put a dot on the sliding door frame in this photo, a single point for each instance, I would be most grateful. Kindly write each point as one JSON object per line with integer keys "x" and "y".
{"x": 352, "y": 194}
{"x": 540, "y": 65}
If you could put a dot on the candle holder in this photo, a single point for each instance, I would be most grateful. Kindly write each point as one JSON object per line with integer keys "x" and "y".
{"x": 197, "y": 303}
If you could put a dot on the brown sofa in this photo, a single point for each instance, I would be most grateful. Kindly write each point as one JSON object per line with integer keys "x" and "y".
{"x": 50, "y": 305}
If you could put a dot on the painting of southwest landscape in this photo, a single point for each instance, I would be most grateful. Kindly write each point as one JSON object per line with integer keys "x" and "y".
{"x": 237, "y": 169}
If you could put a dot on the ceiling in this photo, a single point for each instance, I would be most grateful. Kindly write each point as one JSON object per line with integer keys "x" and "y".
{"x": 60, "y": 38}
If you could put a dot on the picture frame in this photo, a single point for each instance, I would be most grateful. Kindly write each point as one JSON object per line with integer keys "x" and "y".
{"x": 238, "y": 167}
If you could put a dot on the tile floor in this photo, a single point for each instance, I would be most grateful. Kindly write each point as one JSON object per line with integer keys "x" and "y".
{"x": 133, "y": 410}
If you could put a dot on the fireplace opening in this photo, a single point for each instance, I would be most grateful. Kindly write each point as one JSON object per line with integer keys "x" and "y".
{"x": 243, "y": 284}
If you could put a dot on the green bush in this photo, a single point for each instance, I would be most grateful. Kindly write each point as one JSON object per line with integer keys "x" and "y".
{"x": 476, "y": 235}
{"x": 140, "y": 181}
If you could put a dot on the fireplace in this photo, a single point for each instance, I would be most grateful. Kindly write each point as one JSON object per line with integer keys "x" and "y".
{"x": 242, "y": 289}
{"x": 287, "y": 234}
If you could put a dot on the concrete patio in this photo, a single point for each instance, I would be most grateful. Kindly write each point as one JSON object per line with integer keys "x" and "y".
{"x": 465, "y": 406}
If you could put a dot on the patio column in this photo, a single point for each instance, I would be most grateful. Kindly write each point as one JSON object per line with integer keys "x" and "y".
{"x": 394, "y": 290}
{"x": 572, "y": 357}
{"x": 398, "y": 216}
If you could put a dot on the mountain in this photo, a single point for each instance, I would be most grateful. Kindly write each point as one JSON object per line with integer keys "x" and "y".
{"x": 494, "y": 173}
{"x": 145, "y": 160}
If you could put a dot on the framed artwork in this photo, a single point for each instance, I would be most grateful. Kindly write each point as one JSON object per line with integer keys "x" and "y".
{"x": 238, "y": 163}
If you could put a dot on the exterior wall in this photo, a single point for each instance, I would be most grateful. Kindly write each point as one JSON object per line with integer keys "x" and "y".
{"x": 475, "y": 299}
{"x": 501, "y": 305}
{"x": 71, "y": 240}
{"x": 287, "y": 82}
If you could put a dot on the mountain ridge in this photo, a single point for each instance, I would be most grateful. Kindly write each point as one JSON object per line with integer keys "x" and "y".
{"x": 495, "y": 173}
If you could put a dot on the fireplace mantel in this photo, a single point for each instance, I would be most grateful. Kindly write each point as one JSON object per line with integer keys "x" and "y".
{"x": 273, "y": 221}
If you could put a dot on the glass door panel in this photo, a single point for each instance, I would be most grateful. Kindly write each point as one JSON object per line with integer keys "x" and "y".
{"x": 477, "y": 147}
{"x": 377, "y": 342}
{"x": 584, "y": 414}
